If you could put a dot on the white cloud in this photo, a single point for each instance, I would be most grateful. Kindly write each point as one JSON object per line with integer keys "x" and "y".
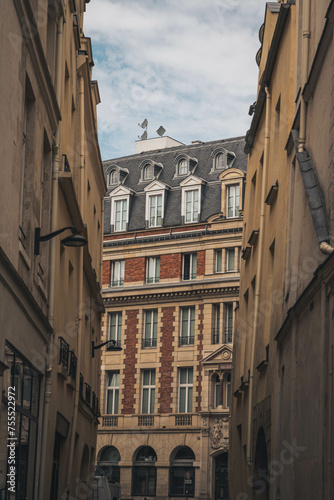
{"x": 188, "y": 65}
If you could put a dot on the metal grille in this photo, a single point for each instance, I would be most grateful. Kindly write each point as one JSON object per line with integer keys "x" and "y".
{"x": 73, "y": 365}
{"x": 149, "y": 343}
{"x": 88, "y": 393}
{"x": 63, "y": 352}
{"x": 186, "y": 341}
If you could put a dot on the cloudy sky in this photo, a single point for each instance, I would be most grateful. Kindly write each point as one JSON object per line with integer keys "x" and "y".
{"x": 188, "y": 65}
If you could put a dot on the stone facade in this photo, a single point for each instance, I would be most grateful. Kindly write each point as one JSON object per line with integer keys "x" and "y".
{"x": 282, "y": 420}
{"x": 52, "y": 178}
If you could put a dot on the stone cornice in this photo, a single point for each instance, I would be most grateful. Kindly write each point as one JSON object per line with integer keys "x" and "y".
{"x": 172, "y": 295}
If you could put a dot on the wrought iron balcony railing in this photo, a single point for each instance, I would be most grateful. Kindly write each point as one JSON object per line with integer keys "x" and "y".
{"x": 88, "y": 393}
{"x": 63, "y": 352}
{"x": 73, "y": 366}
{"x": 186, "y": 340}
{"x": 149, "y": 343}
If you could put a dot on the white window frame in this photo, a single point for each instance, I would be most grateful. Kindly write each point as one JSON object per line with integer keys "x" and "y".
{"x": 155, "y": 188}
{"x": 218, "y": 252}
{"x": 230, "y": 251}
{"x": 155, "y": 278}
{"x": 193, "y": 214}
{"x": 118, "y": 327}
{"x": 188, "y": 337}
{"x": 191, "y": 183}
{"x": 192, "y": 266}
{"x": 185, "y": 162}
{"x": 146, "y": 168}
{"x": 235, "y": 206}
{"x": 150, "y": 387}
{"x": 114, "y": 389}
{"x": 120, "y": 280}
{"x": 123, "y": 222}
{"x": 155, "y": 217}
{"x": 187, "y": 386}
{"x": 113, "y": 172}
{"x": 153, "y": 330}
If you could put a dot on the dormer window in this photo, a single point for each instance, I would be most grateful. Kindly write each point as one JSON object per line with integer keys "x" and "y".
{"x": 155, "y": 203}
{"x": 222, "y": 159}
{"x": 183, "y": 167}
{"x": 116, "y": 175}
{"x": 191, "y": 199}
{"x": 120, "y": 205}
{"x": 113, "y": 177}
{"x": 150, "y": 170}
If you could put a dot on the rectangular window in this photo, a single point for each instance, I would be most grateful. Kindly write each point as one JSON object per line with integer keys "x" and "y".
{"x": 216, "y": 323}
{"x": 218, "y": 259}
{"x": 217, "y": 391}
{"x": 185, "y": 390}
{"x": 229, "y": 323}
{"x": 151, "y": 328}
{"x": 187, "y": 325}
{"x": 121, "y": 215}
{"x": 156, "y": 210}
{"x": 189, "y": 266}
{"x": 148, "y": 391}
{"x": 230, "y": 259}
{"x": 115, "y": 327}
{"x": 152, "y": 269}
{"x": 112, "y": 392}
{"x": 192, "y": 206}
{"x": 118, "y": 273}
{"x": 233, "y": 201}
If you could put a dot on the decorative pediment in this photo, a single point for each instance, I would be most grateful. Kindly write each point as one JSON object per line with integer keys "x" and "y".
{"x": 220, "y": 356}
{"x": 192, "y": 180}
{"x": 155, "y": 186}
{"x": 121, "y": 191}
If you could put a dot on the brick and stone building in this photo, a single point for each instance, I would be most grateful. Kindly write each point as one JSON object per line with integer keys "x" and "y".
{"x": 171, "y": 257}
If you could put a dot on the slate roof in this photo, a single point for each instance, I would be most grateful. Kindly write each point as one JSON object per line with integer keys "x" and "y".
{"x": 211, "y": 191}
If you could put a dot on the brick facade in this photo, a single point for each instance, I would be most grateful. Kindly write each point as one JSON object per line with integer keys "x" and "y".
{"x": 201, "y": 263}
{"x": 200, "y": 356}
{"x": 134, "y": 269}
{"x": 106, "y": 274}
{"x": 170, "y": 265}
{"x": 166, "y": 367}
{"x": 130, "y": 362}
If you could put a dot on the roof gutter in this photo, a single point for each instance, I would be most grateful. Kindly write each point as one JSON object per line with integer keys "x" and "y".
{"x": 267, "y": 74}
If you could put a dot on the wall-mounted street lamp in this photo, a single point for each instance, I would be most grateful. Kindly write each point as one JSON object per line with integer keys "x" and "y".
{"x": 111, "y": 347}
{"x": 75, "y": 240}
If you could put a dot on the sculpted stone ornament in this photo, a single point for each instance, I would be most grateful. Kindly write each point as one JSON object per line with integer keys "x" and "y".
{"x": 219, "y": 433}
{"x": 226, "y": 354}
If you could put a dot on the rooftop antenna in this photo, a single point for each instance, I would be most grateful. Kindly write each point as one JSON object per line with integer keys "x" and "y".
{"x": 143, "y": 125}
{"x": 161, "y": 131}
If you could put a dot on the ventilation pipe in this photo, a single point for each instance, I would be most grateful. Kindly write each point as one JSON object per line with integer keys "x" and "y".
{"x": 258, "y": 276}
{"x": 54, "y": 209}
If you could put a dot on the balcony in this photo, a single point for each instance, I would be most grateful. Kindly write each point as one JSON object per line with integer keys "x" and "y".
{"x": 145, "y": 420}
{"x": 109, "y": 421}
{"x": 81, "y": 385}
{"x": 149, "y": 343}
{"x": 63, "y": 353}
{"x": 88, "y": 394}
{"x": 186, "y": 341}
{"x": 152, "y": 279}
{"x": 73, "y": 366}
{"x": 183, "y": 419}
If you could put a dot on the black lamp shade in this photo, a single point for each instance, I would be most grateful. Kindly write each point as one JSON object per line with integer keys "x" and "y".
{"x": 74, "y": 240}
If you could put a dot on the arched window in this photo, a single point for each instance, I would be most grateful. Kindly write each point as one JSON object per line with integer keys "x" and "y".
{"x": 183, "y": 167}
{"x": 113, "y": 177}
{"x": 144, "y": 474}
{"x": 182, "y": 473}
{"x": 148, "y": 172}
{"x": 108, "y": 464}
{"x": 219, "y": 161}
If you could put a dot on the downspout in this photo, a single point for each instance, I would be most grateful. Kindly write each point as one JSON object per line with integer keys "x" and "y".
{"x": 258, "y": 276}
{"x": 80, "y": 284}
{"x": 52, "y": 274}
{"x": 324, "y": 246}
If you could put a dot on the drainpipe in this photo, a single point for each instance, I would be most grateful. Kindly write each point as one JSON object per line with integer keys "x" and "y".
{"x": 258, "y": 276}
{"x": 54, "y": 209}
{"x": 80, "y": 284}
{"x": 304, "y": 72}
{"x": 325, "y": 246}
